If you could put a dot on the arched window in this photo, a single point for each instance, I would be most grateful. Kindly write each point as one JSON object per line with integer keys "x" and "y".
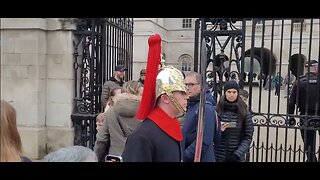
{"x": 185, "y": 63}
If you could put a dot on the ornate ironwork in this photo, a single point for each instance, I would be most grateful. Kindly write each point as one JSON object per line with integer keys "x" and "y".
{"x": 278, "y": 135}
{"x": 211, "y": 30}
{"x": 98, "y": 46}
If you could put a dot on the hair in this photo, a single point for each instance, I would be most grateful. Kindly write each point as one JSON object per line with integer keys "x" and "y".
{"x": 71, "y": 154}
{"x": 241, "y": 105}
{"x": 11, "y": 147}
{"x": 132, "y": 87}
{"x": 100, "y": 117}
{"x": 196, "y": 75}
{"x": 110, "y": 101}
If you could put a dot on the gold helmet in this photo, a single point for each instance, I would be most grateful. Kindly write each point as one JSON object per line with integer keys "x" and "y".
{"x": 168, "y": 80}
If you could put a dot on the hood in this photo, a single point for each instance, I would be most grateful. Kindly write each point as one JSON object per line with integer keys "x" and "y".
{"x": 196, "y": 99}
{"x": 126, "y": 105}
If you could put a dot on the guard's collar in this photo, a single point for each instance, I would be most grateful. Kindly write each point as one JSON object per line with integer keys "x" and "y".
{"x": 169, "y": 125}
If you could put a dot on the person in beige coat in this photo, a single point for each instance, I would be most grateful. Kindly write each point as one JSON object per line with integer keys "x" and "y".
{"x": 120, "y": 121}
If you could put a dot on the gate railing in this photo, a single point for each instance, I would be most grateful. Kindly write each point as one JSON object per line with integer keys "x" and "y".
{"x": 99, "y": 45}
{"x": 252, "y": 51}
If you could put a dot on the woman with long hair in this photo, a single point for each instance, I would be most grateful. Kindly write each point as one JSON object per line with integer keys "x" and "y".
{"x": 236, "y": 124}
{"x": 11, "y": 147}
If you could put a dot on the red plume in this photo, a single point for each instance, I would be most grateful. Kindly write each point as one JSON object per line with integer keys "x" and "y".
{"x": 149, "y": 90}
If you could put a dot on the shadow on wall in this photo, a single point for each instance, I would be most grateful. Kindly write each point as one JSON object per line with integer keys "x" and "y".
{"x": 266, "y": 59}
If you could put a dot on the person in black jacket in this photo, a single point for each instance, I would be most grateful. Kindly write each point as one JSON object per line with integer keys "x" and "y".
{"x": 305, "y": 94}
{"x": 236, "y": 124}
{"x": 159, "y": 136}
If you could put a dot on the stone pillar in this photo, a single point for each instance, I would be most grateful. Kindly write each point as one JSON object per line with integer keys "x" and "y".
{"x": 60, "y": 84}
{"x": 36, "y": 78}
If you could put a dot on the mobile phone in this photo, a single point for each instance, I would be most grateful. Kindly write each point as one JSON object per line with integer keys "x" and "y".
{"x": 113, "y": 158}
{"x": 232, "y": 124}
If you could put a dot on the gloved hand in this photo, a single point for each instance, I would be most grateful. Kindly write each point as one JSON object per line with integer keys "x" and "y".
{"x": 232, "y": 158}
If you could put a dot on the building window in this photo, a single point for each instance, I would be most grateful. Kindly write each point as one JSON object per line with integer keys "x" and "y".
{"x": 298, "y": 20}
{"x": 186, "y": 23}
{"x": 186, "y": 66}
{"x": 185, "y": 63}
{"x": 299, "y": 24}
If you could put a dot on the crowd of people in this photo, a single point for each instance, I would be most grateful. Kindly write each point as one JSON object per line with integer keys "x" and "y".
{"x": 155, "y": 118}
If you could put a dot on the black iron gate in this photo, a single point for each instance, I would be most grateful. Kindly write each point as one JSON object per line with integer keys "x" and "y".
{"x": 252, "y": 51}
{"x": 99, "y": 45}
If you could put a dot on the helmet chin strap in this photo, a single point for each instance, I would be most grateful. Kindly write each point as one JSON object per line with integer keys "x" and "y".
{"x": 176, "y": 104}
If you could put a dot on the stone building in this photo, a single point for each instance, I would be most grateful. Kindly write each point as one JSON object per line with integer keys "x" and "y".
{"x": 37, "y": 79}
{"x": 37, "y": 66}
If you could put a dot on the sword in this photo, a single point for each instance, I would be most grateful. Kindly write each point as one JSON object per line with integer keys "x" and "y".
{"x": 201, "y": 117}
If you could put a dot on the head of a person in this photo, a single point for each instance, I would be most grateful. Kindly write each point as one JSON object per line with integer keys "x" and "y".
{"x": 114, "y": 91}
{"x": 119, "y": 71}
{"x": 99, "y": 120}
{"x": 231, "y": 90}
{"x": 243, "y": 95}
{"x": 313, "y": 65}
{"x": 231, "y": 98}
{"x": 170, "y": 91}
{"x": 192, "y": 84}
{"x": 71, "y": 154}
{"x": 133, "y": 87}
{"x": 142, "y": 75}
{"x": 11, "y": 147}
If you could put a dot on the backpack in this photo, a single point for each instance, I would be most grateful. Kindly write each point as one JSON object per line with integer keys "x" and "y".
{"x": 218, "y": 131}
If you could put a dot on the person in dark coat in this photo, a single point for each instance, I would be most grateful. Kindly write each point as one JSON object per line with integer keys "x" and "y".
{"x": 236, "y": 124}
{"x": 305, "y": 95}
{"x": 278, "y": 83}
{"x": 189, "y": 129}
{"x": 159, "y": 136}
{"x": 114, "y": 82}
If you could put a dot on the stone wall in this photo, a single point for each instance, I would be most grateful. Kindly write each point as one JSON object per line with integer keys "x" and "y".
{"x": 37, "y": 79}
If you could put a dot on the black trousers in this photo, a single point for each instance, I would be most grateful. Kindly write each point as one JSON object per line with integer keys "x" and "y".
{"x": 309, "y": 137}
{"x": 277, "y": 92}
